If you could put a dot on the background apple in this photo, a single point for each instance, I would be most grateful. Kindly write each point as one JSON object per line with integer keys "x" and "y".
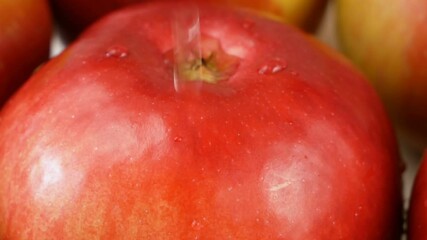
{"x": 292, "y": 144}
{"x": 25, "y": 32}
{"x": 388, "y": 40}
{"x": 417, "y": 226}
{"x": 75, "y": 15}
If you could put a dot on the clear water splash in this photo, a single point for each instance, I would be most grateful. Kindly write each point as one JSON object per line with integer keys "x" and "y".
{"x": 187, "y": 39}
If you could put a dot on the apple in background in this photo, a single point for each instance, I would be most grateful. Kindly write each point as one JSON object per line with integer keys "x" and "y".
{"x": 387, "y": 39}
{"x": 278, "y": 138}
{"x": 25, "y": 32}
{"x": 75, "y": 15}
{"x": 417, "y": 220}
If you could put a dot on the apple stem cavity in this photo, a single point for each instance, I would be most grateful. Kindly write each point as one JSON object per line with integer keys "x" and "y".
{"x": 198, "y": 58}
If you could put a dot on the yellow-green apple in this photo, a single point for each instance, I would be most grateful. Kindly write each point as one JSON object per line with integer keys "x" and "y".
{"x": 387, "y": 39}
{"x": 25, "y": 32}
{"x": 269, "y": 135}
{"x": 75, "y": 15}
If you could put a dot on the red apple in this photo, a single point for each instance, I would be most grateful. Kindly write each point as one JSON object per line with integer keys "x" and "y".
{"x": 388, "y": 40}
{"x": 278, "y": 138}
{"x": 417, "y": 220}
{"x": 75, "y": 15}
{"x": 25, "y": 31}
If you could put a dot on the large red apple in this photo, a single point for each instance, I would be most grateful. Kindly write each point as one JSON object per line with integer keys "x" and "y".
{"x": 417, "y": 220}
{"x": 278, "y": 138}
{"x": 25, "y": 32}
{"x": 388, "y": 40}
{"x": 75, "y": 15}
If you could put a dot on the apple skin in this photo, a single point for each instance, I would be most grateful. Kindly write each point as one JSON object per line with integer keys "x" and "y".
{"x": 387, "y": 39}
{"x": 100, "y": 146}
{"x": 25, "y": 32}
{"x": 76, "y": 15}
{"x": 417, "y": 217}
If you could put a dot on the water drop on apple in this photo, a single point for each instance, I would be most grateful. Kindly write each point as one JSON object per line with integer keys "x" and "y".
{"x": 273, "y": 67}
{"x": 117, "y": 51}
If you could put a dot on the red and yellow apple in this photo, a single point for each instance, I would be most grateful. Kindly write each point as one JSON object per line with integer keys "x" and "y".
{"x": 277, "y": 138}
{"x": 387, "y": 39}
{"x": 75, "y": 15}
{"x": 25, "y": 32}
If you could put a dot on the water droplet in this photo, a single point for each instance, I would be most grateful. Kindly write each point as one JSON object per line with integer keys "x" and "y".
{"x": 263, "y": 70}
{"x": 277, "y": 68}
{"x": 177, "y": 139}
{"x": 274, "y": 66}
{"x": 117, "y": 51}
{"x": 196, "y": 225}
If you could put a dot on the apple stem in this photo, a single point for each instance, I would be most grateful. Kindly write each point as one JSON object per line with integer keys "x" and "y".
{"x": 187, "y": 39}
